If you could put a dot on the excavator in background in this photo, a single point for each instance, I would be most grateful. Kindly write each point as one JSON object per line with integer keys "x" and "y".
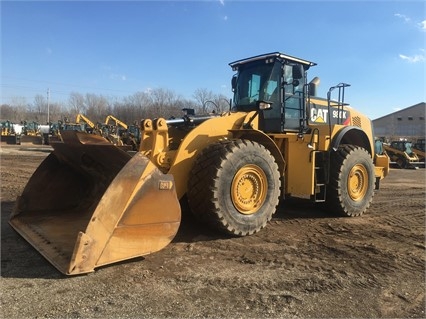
{"x": 115, "y": 130}
{"x": 90, "y": 203}
{"x": 121, "y": 134}
{"x": 132, "y": 137}
{"x": 402, "y": 155}
{"x": 90, "y": 127}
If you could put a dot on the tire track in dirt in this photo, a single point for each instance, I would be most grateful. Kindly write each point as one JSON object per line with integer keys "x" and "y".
{"x": 305, "y": 263}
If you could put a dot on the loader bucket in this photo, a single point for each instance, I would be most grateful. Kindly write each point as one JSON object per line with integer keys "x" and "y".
{"x": 9, "y": 139}
{"x": 90, "y": 204}
{"x": 33, "y": 140}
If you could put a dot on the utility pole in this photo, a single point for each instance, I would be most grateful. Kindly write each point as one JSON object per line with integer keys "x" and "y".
{"x": 48, "y": 108}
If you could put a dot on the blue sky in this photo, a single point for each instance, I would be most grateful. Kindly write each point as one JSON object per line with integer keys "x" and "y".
{"x": 117, "y": 48}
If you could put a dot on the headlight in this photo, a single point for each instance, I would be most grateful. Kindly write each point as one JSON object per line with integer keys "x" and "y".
{"x": 264, "y": 105}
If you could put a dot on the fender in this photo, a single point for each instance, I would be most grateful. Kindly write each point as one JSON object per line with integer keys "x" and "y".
{"x": 265, "y": 140}
{"x": 351, "y": 135}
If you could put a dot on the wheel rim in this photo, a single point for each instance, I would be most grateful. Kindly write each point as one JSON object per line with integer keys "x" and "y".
{"x": 358, "y": 182}
{"x": 248, "y": 189}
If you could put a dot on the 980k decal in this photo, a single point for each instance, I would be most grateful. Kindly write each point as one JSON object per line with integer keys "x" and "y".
{"x": 321, "y": 115}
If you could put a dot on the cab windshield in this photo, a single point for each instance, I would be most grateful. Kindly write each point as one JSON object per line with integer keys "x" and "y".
{"x": 256, "y": 81}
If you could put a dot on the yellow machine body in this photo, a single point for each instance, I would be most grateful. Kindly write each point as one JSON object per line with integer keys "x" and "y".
{"x": 8, "y": 134}
{"x": 31, "y": 134}
{"x": 90, "y": 203}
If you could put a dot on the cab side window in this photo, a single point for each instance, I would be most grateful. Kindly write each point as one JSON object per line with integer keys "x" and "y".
{"x": 293, "y": 97}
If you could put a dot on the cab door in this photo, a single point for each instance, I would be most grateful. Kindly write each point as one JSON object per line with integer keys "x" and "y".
{"x": 294, "y": 97}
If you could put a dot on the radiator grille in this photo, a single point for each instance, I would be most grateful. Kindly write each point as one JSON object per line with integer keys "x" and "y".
{"x": 356, "y": 120}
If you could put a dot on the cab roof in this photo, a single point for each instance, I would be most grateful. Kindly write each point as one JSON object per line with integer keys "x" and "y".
{"x": 272, "y": 55}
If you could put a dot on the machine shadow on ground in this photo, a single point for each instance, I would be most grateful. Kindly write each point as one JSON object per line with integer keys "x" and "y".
{"x": 20, "y": 260}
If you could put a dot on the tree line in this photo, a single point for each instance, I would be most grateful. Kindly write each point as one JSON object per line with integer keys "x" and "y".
{"x": 133, "y": 108}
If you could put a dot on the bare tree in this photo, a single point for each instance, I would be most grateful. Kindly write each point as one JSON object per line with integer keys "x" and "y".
{"x": 97, "y": 107}
{"x": 164, "y": 103}
{"x": 6, "y": 112}
{"x": 203, "y": 96}
{"x": 76, "y": 103}
{"x": 56, "y": 111}
{"x": 20, "y": 106}
{"x": 221, "y": 103}
{"x": 15, "y": 111}
{"x": 132, "y": 108}
{"x": 155, "y": 103}
{"x": 40, "y": 108}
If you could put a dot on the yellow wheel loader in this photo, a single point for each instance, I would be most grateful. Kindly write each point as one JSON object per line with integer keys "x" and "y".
{"x": 91, "y": 204}
{"x": 31, "y": 133}
{"x": 9, "y": 134}
{"x": 402, "y": 155}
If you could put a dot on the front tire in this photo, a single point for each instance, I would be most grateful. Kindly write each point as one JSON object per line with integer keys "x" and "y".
{"x": 234, "y": 187}
{"x": 351, "y": 187}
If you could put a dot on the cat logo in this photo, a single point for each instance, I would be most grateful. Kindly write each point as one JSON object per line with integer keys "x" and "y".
{"x": 321, "y": 115}
{"x": 318, "y": 115}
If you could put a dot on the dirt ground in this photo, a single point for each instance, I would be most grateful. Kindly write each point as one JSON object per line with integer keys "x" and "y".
{"x": 305, "y": 264}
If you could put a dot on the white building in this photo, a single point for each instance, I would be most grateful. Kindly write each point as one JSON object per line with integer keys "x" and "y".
{"x": 408, "y": 123}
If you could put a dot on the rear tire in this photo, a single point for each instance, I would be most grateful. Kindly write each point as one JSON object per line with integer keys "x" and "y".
{"x": 234, "y": 187}
{"x": 351, "y": 187}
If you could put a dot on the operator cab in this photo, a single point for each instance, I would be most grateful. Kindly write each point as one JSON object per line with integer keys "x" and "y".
{"x": 276, "y": 79}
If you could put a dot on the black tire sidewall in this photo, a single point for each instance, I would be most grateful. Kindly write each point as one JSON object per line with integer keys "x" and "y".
{"x": 209, "y": 187}
{"x": 343, "y": 202}
{"x": 255, "y": 154}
